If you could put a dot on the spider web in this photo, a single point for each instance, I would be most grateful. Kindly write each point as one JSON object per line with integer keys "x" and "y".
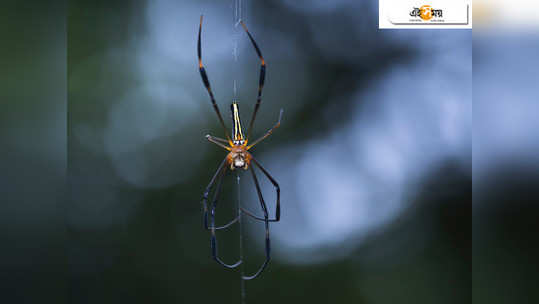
{"x": 242, "y": 269}
{"x": 237, "y": 15}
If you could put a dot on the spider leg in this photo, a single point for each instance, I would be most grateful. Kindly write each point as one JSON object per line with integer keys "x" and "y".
{"x": 260, "y": 81}
{"x": 266, "y": 224}
{"x": 207, "y": 192}
{"x": 205, "y": 199}
{"x": 206, "y": 81}
{"x": 277, "y": 190}
{"x": 212, "y": 227}
{"x": 222, "y": 140}
{"x": 268, "y": 133}
{"x": 218, "y": 141}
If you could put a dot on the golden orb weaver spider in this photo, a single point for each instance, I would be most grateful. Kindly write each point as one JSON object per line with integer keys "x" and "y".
{"x": 238, "y": 158}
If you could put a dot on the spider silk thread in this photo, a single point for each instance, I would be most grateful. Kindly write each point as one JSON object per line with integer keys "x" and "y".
{"x": 237, "y": 17}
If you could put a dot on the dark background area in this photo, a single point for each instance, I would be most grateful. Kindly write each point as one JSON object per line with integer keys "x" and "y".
{"x": 33, "y": 154}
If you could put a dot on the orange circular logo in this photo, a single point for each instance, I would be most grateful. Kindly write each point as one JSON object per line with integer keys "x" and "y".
{"x": 425, "y": 12}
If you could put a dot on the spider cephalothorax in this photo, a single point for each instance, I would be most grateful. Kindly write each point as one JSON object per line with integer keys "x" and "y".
{"x": 238, "y": 158}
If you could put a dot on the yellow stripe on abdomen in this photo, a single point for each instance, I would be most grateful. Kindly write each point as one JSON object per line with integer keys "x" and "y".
{"x": 238, "y": 134}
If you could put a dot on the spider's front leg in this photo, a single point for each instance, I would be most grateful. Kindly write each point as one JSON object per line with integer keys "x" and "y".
{"x": 213, "y": 228}
{"x": 220, "y": 171}
{"x": 277, "y": 191}
{"x": 266, "y": 226}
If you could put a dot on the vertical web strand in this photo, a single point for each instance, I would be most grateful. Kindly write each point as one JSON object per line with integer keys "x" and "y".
{"x": 237, "y": 15}
{"x": 235, "y": 23}
{"x": 242, "y": 267}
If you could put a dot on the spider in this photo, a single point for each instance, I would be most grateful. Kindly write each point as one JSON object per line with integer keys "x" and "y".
{"x": 238, "y": 157}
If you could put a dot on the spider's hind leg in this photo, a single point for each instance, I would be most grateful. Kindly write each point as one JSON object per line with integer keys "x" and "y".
{"x": 206, "y": 81}
{"x": 260, "y": 80}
